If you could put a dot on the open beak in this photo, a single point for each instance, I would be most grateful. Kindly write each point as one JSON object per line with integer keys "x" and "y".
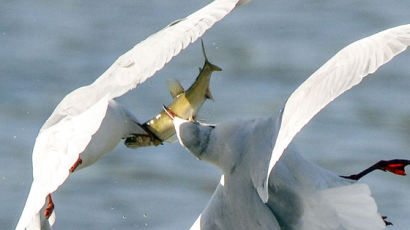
{"x": 170, "y": 114}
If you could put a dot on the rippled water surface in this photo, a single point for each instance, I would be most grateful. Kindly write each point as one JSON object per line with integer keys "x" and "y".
{"x": 266, "y": 49}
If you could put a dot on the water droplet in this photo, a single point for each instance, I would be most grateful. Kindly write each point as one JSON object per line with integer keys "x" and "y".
{"x": 145, "y": 215}
{"x": 124, "y": 217}
{"x": 14, "y": 137}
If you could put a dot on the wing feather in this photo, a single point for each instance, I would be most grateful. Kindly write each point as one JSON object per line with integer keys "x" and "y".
{"x": 56, "y": 149}
{"x": 343, "y": 71}
{"x": 150, "y": 55}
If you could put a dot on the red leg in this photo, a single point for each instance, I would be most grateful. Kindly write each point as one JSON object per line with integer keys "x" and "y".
{"x": 50, "y": 207}
{"x": 394, "y": 166}
{"x": 76, "y": 164}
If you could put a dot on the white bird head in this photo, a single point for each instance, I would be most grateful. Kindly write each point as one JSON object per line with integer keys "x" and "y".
{"x": 192, "y": 135}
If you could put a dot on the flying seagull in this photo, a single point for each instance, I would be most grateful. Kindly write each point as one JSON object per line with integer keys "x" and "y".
{"x": 88, "y": 122}
{"x": 266, "y": 184}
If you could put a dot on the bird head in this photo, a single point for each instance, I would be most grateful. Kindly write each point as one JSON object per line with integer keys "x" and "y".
{"x": 192, "y": 135}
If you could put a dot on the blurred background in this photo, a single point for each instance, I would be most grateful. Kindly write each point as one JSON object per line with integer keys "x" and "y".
{"x": 266, "y": 49}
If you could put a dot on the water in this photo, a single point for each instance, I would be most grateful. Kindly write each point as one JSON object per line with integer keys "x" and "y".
{"x": 266, "y": 48}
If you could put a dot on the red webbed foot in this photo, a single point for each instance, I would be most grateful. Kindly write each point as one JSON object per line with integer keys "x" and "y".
{"x": 395, "y": 166}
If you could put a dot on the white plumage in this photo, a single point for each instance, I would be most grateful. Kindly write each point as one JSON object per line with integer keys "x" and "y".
{"x": 89, "y": 123}
{"x": 343, "y": 71}
{"x": 265, "y": 188}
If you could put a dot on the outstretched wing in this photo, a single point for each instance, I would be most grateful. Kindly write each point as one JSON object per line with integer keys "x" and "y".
{"x": 150, "y": 55}
{"x": 343, "y": 71}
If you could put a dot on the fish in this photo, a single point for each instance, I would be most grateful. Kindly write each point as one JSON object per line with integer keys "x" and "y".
{"x": 186, "y": 104}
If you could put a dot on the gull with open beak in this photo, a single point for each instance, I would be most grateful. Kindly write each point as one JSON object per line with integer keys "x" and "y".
{"x": 266, "y": 184}
{"x": 89, "y": 123}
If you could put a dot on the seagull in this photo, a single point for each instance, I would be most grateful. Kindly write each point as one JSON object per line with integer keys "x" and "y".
{"x": 89, "y": 123}
{"x": 266, "y": 183}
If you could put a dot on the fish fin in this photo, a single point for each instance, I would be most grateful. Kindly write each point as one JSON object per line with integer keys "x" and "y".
{"x": 208, "y": 95}
{"x": 212, "y": 66}
{"x": 175, "y": 87}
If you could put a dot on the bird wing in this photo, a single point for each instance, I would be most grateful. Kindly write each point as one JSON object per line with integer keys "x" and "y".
{"x": 343, "y": 71}
{"x": 56, "y": 149}
{"x": 150, "y": 55}
{"x": 69, "y": 129}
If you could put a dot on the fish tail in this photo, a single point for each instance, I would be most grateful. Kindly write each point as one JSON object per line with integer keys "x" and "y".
{"x": 212, "y": 66}
{"x": 207, "y": 63}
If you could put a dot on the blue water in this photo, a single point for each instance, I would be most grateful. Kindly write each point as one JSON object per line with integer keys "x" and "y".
{"x": 266, "y": 49}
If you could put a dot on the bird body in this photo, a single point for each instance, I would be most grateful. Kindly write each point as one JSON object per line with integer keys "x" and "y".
{"x": 235, "y": 203}
{"x": 118, "y": 123}
{"x": 110, "y": 121}
{"x": 305, "y": 196}
{"x": 230, "y": 209}
{"x": 301, "y": 195}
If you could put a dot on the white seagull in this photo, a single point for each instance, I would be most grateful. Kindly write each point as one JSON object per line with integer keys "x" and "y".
{"x": 88, "y": 123}
{"x": 265, "y": 184}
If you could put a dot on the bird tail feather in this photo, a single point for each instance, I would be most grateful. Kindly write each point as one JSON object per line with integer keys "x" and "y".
{"x": 342, "y": 208}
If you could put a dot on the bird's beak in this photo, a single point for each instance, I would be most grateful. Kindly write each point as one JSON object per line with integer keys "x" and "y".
{"x": 170, "y": 114}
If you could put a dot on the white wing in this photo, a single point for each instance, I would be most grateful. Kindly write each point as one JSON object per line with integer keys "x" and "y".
{"x": 343, "y": 71}
{"x": 76, "y": 119}
{"x": 56, "y": 149}
{"x": 152, "y": 54}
